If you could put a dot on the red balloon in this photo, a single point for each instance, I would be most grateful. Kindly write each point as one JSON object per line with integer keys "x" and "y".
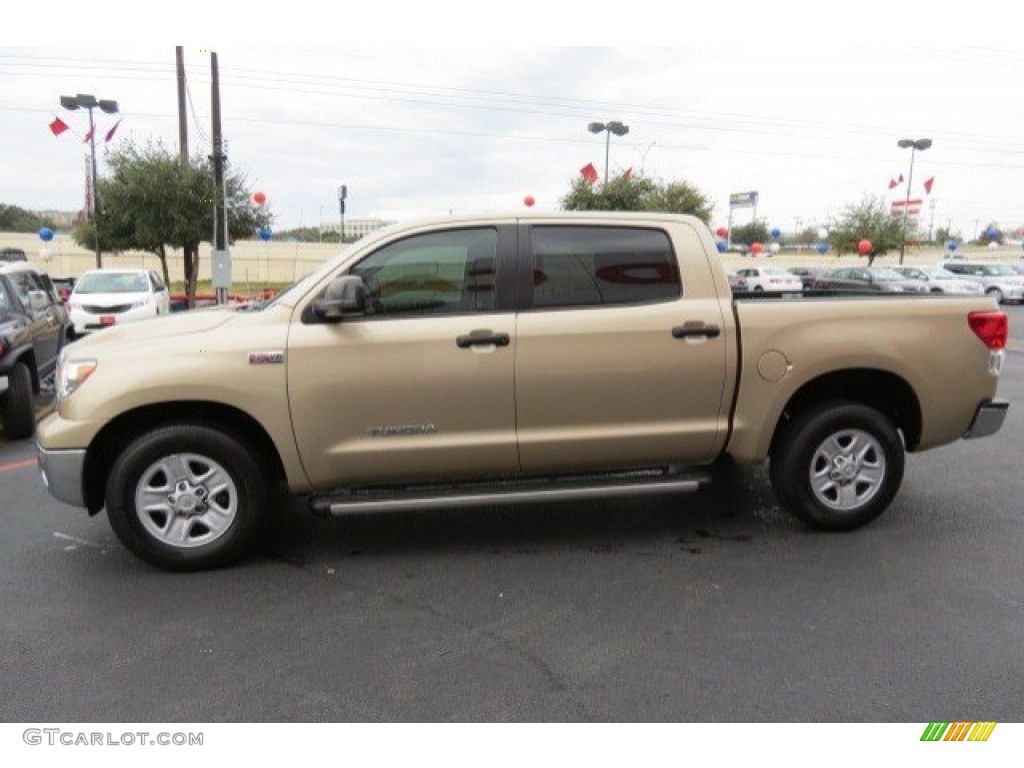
{"x": 864, "y": 247}
{"x": 756, "y": 248}
{"x": 259, "y": 198}
{"x": 721, "y": 231}
{"x": 529, "y": 201}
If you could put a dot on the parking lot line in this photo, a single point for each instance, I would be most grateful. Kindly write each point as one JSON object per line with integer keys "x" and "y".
{"x": 15, "y": 465}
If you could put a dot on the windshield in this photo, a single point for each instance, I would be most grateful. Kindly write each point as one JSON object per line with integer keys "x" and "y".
{"x": 112, "y": 282}
{"x": 939, "y": 274}
{"x": 292, "y": 293}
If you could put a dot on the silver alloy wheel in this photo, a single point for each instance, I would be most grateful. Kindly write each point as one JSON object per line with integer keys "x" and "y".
{"x": 847, "y": 469}
{"x": 186, "y": 500}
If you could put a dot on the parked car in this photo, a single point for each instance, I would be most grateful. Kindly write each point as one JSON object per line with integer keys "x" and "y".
{"x": 770, "y": 279}
{"x": 998, "y": 280}
{"x": 939, "y": 280}
{"x": 12, "y": 254}
{"x": 737, "y": 283}
{"x": 105, "y": 297}
{"x": 33, "y": 328}
{"x": 809, "y": 275}
{"x": 882, "y": 279}
{"x": 64, "y": 286}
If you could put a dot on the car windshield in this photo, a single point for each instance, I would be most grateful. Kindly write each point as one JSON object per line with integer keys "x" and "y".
{"x": 939, "y": 274}
{"x": 776, "y": 271}
{"x": 886, "y": 274}
{"x": 112, "y": 282}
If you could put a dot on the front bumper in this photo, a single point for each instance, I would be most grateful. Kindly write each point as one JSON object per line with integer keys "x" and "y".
{"x": 62, "y": 474}
{"x": 988, "y": 419}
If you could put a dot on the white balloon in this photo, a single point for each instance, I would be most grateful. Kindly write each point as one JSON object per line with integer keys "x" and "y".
{"x": 993, "y": 244}
{"x": 774, "y": 247}
{"x": 44, "y": 254}
{"x": 822, "y": 234}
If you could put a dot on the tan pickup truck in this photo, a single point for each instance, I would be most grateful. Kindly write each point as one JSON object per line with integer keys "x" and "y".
{"x": 483, "y": 360}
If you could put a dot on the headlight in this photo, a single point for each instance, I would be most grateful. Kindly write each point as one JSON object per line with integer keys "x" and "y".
{"x": 71, "y": 374}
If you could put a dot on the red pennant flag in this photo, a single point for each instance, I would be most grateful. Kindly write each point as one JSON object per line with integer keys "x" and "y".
{"x": 589, "y": 173}
{"x": 895, "y": 182}
{"x": 110, "y": 133}
{"x": 88, "y": 136}
{"x": 928, "y": 185}
{"x": 58, "y": 126}
{"x": 628, "y": 174}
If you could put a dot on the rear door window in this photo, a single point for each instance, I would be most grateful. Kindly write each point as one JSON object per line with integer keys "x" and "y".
{"x": 597, "y": 266}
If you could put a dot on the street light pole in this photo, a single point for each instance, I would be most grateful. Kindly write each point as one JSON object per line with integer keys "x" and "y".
{"x": 913, "y": 145}
{"x": 89, "y": 102}
{"x": 614, "y": 126}
{"x": 342, "y": 194}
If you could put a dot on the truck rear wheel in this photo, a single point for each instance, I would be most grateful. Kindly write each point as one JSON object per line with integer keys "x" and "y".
{"x": 838, "y": 466}
{"x": 186, "y": 497}
{"x": 19, "y": 411}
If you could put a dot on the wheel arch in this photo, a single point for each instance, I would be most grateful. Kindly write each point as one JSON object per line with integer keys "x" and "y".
{"x": 120, "y": 431}
{"x": 885, "y": 391}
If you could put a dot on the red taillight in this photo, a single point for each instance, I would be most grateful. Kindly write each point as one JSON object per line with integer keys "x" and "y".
{"x": 991, "y": 327}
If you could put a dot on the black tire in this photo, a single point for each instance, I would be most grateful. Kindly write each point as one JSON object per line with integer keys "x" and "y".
{"x": 758, "y": 288}
{"x": 185, "y": 528}
{"x": 837, "y": 466}
{"x": 19, "y": 409}
{"x": 996, "y": 294}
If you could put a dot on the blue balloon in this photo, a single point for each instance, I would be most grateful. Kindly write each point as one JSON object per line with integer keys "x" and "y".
{"x": 952, "y": 245}
{"x": 266, "y": 234}
{"x": 775, "y": 232}
{"x": 46, "y": 234}
{"x": 993, "y": 234}
{"x": 822, "y": 248}
{"x": 721, "y": 246}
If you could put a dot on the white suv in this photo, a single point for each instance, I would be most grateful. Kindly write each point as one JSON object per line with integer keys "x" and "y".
{"x": 1000, "y": 281}
{"x": 106, "y": 297}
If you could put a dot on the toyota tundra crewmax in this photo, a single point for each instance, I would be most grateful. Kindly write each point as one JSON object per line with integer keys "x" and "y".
{"x": 484, "y": 360}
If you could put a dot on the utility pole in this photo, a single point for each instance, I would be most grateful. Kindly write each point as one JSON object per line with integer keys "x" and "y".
{"x": 221, "y": 257}
{"x": 190, "y": 252}
{"x": 342, "y": 194}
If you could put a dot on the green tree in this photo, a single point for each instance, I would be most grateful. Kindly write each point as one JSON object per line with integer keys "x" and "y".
{"x": 150, "y": 202}
{"x": 867, "y": 220}
{"x": 15, "y": 219}
{"x": 637, "y": 193}
{"x": 748, "y": 234}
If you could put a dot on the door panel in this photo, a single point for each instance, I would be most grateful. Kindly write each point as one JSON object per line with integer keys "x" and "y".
{"x": 421, "y": 390}
{"x": 632, "y": 383}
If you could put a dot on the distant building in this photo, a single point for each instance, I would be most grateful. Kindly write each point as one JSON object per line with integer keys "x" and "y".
{"x": 357, "y": 228}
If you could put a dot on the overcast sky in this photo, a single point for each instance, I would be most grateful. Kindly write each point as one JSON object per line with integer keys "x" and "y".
{"x": 809, "y": 123}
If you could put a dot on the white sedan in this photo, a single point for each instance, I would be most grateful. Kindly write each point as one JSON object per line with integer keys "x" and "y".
{"x": 106, "y": 297}
{"x": 770, "y": 279}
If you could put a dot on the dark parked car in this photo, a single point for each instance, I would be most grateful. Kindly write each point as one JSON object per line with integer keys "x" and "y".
{"x": 809, "y": 275}
{"x": 33, "y": 328}
{"x": 12, "y": 254}
{"x": 882, "y": 279}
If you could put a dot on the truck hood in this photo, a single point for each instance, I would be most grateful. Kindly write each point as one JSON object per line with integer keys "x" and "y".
{"x": 167, "y": 326}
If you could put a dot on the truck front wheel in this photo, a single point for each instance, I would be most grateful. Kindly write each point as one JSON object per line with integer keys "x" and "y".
{"x": 186, "y": 497}
{"x": 838, "y": 466}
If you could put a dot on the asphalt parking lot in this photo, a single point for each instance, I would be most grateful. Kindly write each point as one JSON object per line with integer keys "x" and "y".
{"x": 711, "y": 607}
